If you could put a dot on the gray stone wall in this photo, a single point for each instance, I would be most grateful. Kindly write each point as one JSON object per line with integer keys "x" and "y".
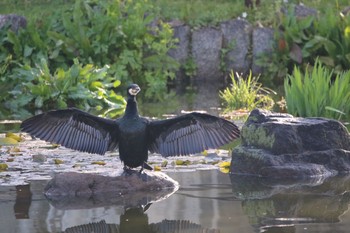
{"x": 233, "y": 45}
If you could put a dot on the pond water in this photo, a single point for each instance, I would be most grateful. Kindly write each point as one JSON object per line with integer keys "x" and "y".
{"x": 207, "y": 201}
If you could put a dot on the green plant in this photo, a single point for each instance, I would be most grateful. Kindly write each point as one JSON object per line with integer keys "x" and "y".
{"x": 79, "y": 86}
{"x": 190, "y": 67}
{"x": 114, "y": 33}
{"x": 265, "y": 12}
{"x": 318, "y": 93}
{"x": 288, "y": 49}
{"x": 223, "y": 55}
{"x": 331, "y": 42}
{"x": 246, "y": 94}
{"x": 298, "y": 41}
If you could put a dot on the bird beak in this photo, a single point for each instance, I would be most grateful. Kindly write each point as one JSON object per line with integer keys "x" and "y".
{"x": 134, "y": 90}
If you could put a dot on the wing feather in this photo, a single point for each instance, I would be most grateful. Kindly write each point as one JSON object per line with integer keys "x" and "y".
{"x": 74, "y": 129}
{"x": 189, "y": 134}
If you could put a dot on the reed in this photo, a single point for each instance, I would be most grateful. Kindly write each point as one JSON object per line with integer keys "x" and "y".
{"x": 318, "y": 93}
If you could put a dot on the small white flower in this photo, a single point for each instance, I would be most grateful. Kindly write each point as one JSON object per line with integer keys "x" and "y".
{"x": 244, "y": 14}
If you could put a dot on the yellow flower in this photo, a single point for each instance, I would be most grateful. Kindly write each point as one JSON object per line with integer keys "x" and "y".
{"x": 225, "y": 166}
{"x": 347, "y": 32}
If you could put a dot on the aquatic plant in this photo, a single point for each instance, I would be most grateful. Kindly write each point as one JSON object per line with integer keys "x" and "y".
{"x": 246, "y": 93}
{"x": 82, "y": 86}
{"x": 318, "y": 93}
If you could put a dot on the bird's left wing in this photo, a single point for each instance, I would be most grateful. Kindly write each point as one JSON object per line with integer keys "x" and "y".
{"x": 74, "y": 129}
{"x": 189, "y": 134}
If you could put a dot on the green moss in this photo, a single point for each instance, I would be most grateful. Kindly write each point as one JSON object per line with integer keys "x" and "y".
{"x": 258, "y": 136}
{"x": 253, "y": 154}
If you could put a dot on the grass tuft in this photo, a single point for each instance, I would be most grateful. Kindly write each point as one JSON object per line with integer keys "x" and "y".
{"x": 246, "y": 94}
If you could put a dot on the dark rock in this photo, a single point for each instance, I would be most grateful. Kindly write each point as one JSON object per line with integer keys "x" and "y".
{"x": 281, "y": 133}
{"x": 262, "y": 43}
{"x": 280, "y": 145}
{"x": 15, "y": 21}
{"x": 237, "y": 40}
{"x": 76, "y": 190}
{"x": 206, "y": 49}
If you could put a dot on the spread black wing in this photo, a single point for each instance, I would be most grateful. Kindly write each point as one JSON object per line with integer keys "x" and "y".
{"x": 74, "y": 129}
{"x": 189, "y": 134}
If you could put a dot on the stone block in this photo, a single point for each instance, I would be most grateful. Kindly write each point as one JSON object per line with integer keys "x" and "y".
{"x": 206, "y": 50}
{"x": 237, "y": 40}
{"x": 15, "y": 21}
{"x": 262, "y": 44}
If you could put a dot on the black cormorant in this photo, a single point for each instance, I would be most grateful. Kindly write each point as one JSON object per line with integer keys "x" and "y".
{"x": 134, "y": 135}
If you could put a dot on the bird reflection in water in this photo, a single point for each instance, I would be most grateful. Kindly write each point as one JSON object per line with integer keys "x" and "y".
{"x": 136, "y": 220}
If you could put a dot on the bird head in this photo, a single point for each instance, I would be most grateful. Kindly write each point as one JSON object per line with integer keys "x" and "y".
{"x": 133, "y": 89}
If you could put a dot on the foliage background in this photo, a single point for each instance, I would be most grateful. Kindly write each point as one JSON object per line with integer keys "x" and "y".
{"x": 123, "y": 38}
{"x": 116, "y": 37}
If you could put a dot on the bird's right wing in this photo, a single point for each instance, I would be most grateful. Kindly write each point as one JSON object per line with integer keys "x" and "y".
{"x": 74, "y": 129}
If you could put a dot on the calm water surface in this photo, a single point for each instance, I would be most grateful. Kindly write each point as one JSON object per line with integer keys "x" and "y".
{"x": 207, "y": 201}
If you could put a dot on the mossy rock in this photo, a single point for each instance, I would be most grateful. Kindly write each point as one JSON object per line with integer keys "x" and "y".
{"x": 280, "y": 145}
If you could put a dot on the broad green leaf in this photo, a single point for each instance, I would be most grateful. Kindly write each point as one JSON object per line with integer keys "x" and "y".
{"x": 27, "y": 51}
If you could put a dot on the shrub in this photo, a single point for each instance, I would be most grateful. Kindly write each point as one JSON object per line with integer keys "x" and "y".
{"x": 290, "y": 35}
{"x": 97, "y": 33}
{"x": 318, "y": 93}
{"x": 246, "y": 94}
{"x": 299, "y": 41}
{"x": 80, "y": 86}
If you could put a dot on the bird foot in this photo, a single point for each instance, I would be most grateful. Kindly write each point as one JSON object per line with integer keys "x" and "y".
{"x": 129, "y": 171}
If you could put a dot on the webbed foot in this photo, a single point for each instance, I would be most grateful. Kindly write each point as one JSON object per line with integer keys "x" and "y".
{"x": 128, "y": 171}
